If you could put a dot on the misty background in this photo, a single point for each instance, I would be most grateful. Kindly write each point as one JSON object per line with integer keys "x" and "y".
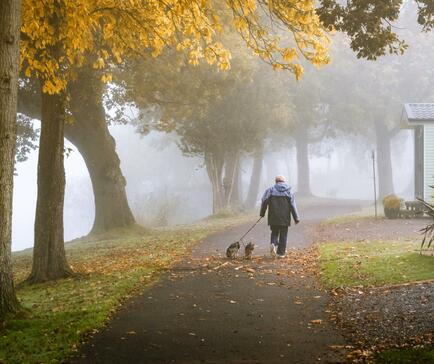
{"x": 159, "y": 176}
{"x": 166, "y": 187}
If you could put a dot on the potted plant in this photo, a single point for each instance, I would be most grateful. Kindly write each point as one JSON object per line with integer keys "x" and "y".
{"x": 392, "y": 205}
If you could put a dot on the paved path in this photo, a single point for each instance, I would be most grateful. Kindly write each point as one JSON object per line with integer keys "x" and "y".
{"x": 209, "y": 310}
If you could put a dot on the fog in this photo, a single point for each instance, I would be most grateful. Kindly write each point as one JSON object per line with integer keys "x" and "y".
{"x": 159, "y": 177}
{"x": 354, "y": 105}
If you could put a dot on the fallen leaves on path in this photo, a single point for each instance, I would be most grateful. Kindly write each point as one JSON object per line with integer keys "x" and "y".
{"x": 316, "y": 322}
{"x": 221, "y": 265}
{"x": 298, "y": 264}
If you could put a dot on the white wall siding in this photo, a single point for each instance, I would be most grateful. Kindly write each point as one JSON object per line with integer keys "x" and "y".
{"x": 428, "y": 162}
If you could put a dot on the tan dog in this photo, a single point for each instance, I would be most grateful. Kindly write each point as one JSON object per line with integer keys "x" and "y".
{"x": 248, "y": 250}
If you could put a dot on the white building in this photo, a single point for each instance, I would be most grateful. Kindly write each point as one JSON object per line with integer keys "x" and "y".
{"x": 420, "y": 118}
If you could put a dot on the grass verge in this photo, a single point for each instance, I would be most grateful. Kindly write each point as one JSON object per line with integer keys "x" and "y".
{"x": 109, "y": 269}
{"x": 405, "y": 356}
{"x": 378, "y": 263}
{"x": 366, "y": 213}
{"x": 373, "y": 263}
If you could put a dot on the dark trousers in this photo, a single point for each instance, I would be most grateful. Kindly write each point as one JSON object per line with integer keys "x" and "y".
{"x": 279, "y": 234}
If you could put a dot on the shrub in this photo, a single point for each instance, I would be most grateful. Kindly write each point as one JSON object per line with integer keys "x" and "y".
{"x": 391, "y": 204}
{"x": 428, "y": 231}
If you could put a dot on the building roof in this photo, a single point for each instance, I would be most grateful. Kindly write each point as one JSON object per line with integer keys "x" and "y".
{"x": 419, "y": 113}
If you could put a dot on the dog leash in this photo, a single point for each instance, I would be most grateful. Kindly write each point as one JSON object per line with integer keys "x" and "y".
{"x": 248, "y": 231}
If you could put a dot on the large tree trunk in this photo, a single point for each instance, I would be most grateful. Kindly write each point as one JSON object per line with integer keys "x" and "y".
{"x": 384, "y": 160}
{"x": 255, "y": 179}
{"x": 90, "y": 134}
{"x": 303, "y": 168}
{"x": 214, "y": 168}
{"x": 49, "y": 260}
{"x": 9, "y": 60}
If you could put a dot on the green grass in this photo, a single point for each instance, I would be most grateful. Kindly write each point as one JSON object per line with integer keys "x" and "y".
{"x": 109, "y": 269}
{"x": 373, "y": 263}
{"x": 378, "y": 263}
{"x": 366, "y": 213}
{"x": 405, "y": 356}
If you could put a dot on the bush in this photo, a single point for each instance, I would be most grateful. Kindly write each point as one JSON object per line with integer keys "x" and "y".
{"x": 391, "y": 204}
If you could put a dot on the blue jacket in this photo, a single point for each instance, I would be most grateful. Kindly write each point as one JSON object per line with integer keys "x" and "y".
{"x": 280, "y": 202}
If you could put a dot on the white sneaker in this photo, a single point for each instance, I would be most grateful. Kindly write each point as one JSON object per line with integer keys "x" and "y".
{"x": 281, "y": 256}
{"x": 273, "y": 250}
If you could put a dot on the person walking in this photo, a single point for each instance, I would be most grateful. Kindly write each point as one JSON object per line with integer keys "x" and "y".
{"x": 280, "y": 202}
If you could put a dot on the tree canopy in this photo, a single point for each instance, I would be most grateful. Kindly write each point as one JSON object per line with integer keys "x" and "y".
{"x": 110, "y": 30}
{"x": 370, "y": 24}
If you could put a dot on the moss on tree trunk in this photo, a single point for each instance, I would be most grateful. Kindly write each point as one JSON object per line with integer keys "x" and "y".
{"x": 49, "y": 260}
{"x": 9, "y": 59}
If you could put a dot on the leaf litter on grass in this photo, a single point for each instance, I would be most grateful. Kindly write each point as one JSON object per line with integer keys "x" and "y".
{"x": 108, "y": 271}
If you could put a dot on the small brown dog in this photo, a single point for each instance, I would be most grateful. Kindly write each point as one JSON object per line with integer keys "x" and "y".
{"x": 248, "y": 250}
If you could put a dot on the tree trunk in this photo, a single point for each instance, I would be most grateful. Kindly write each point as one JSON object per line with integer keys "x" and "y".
{"x": 9, "y": 60}
{"x": 90, "y": 134}
{"x": 255, "y": 179}
{"x": 238, "y": 187}
{"x": 214, "y": 168}
{"x": 230, "y": 181}
{"x": 384, "y": 160}
{"x": 49, "y": 260}
{"x": 303, "y": 168}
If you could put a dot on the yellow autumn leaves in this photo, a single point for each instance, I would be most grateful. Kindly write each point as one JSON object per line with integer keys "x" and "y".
{"x": 61, "y": 35}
